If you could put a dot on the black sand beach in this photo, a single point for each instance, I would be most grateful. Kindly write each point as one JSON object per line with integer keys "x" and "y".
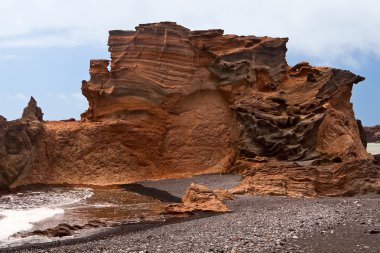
{"x": 258, "y": 224}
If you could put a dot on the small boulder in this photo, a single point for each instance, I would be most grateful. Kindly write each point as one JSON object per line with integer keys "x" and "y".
{"x": 199, "y": 198}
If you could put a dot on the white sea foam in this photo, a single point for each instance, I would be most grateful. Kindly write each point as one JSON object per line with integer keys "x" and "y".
{"x": 15, "y": 221}
{"x": 52, "y": 197}
{"x": 102, "y": 205}
{"x": 19, "y": 212}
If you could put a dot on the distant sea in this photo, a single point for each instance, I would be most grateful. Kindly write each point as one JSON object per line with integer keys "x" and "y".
{"x": 373, "y": 148}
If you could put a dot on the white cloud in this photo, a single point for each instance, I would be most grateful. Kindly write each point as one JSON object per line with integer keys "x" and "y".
{"x": 328, "y": 30}
{"x": 17, "y": 96}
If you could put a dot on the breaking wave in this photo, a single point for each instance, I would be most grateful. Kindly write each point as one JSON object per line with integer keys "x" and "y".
{"x": 19, "y": 211}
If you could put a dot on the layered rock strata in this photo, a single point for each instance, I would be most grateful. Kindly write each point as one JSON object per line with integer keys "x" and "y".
{"x": 313, "y": 179}
{"x": 173, "y": 102}
{"x": 176, "y": 78}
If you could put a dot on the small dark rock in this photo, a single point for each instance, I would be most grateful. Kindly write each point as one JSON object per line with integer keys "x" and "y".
{"x": 374, "y": 231}
{"x": 68, "y": 120}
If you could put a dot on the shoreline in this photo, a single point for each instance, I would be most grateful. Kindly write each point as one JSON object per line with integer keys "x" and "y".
{"x": 163, "y": 193}
{"x": 258, "y": 224}
{"x": 109, "y": 232}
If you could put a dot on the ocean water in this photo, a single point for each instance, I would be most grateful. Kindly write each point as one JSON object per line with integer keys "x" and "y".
{"x": 373, "y": 148}
{"x": 20, "y": 211}
{"x": 44, "y": 207}
{"x": 15, "y": 221}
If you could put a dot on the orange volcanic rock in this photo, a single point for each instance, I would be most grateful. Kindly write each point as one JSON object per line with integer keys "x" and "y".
{"x": 113, "y": 152}
{"x": 199, "y": 198}
{"x": 372, "y": 133}
{"x": 157, "y": 70}
{"x": 176, "y": 103}
{"x": 309, "y": 179}
{"x": 176, "y": 78}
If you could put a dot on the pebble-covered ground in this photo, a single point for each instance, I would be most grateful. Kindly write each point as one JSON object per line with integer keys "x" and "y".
{"x": 178, "y": 187}
{"x": 258, "y": 224}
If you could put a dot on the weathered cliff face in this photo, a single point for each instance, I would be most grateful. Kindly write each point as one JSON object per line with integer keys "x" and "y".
{"x": 116, "y": 152}
{"x": 308, "y": 116}
{"x": 172, "y": 76}
{"x": 372, "y": 133}
{"x": 176, "y": 102}
{"x": 17, "y": 143}
{"x": 309, "y": 179}
{"x": 155, "y": 68}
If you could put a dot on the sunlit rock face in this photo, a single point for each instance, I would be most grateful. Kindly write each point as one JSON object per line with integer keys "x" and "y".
{"x": 210, "y": 87}
{"x": 172, "y": 102}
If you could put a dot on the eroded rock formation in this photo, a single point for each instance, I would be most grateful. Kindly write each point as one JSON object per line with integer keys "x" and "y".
{"x": 199, "y": 198}
{"x": 312, "y": 179}
{"x": 173, "y": 102}
{"x": 17, "y": 143}
{"x": 373, "y": 133}
{"x": 176, "y": 78}
{"x": 32, "y": 111}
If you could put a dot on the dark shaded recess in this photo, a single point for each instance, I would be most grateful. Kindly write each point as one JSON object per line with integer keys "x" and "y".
{"x": 377, "y": 159}
{"x": 283, "y": 137}
{"x": 13, "y": 141}
{"x": 163, "y": 196}
{"x": 363, "y": 136}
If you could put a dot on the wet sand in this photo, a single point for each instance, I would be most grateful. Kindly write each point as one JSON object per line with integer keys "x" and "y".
{"x": 115, "y": 209}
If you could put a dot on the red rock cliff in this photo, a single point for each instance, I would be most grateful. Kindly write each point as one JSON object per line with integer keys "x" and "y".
{"x": 175, "y": 102}
{"x": 189, "y": 82}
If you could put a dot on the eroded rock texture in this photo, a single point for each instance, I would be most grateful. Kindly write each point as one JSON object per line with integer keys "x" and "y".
{"x": 177, "y": 78}
{"x": 32, "y": 111}
{"x": 311, "y": 179}
{"x": 199, "y": 198}
{"x": 173, "y": 102}
{"x": 116, "y": 152}
{"x": 17, "y": 143}
{"x": 373, "y": 133}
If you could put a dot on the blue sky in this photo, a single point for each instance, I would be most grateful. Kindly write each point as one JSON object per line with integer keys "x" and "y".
{"x": 46, "y": 45}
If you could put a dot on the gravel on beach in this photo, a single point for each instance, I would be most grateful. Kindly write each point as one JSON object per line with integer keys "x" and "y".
{"x": 257, "y": 224}
{"x": 178, "y": 187}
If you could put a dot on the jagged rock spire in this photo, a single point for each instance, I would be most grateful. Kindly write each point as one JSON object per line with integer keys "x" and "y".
{"x": 32, "y": 111}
